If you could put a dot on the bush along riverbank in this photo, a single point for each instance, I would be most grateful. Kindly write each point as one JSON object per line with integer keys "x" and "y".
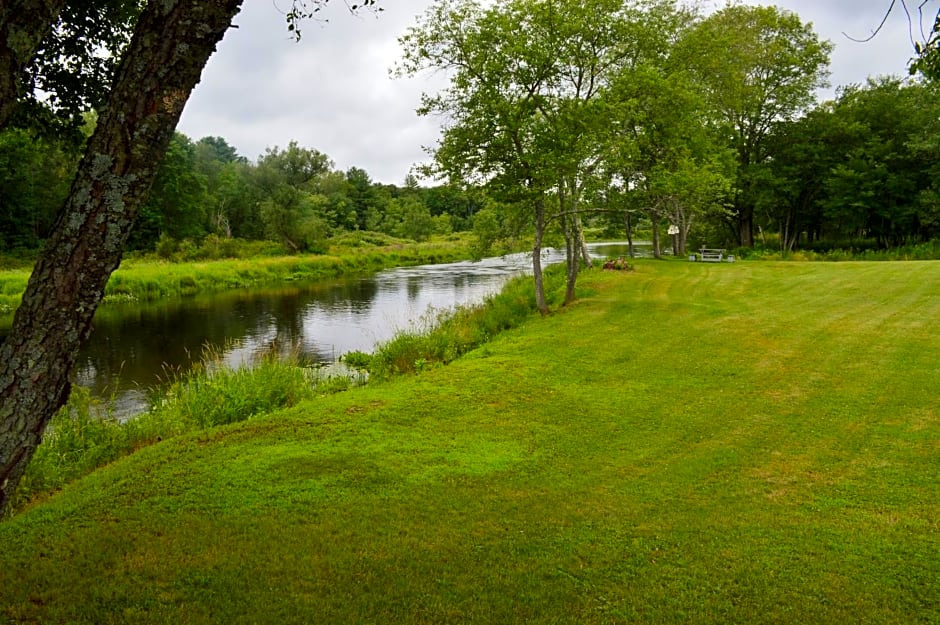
{"x": 149, "y": 278}
{"x": 84, "y": 435}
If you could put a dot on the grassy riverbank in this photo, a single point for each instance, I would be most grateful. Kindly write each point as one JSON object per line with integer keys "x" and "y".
{"x": 149, "y": 278}
{"x": 689, "y": 443}
{"x": 85, "y": 435}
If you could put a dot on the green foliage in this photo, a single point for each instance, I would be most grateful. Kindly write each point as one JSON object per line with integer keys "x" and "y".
{"x": 294, "y": 166}
{"x": 313, "y": 234}
{"x": 81, "y": 437}
{"x": 215, "y": 394}
{"x": 212, "y": 247}
{"x": 34, "y": 181}
{"x": 72, "y": 70}
{"x": 862, "y": 167}
{"x": 409, "y": 218}
{"x": 176, "y": 206}
{"x": 357, "y": 360}
{"x": 358, "y": 239}
{"x": 292, "y": 197}
{"x": 927, "y": 61}
{"x": 486, "y": 230}
{"x": 442, "y": 224}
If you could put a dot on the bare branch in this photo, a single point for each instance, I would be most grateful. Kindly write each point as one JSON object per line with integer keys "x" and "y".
{"x": 875, "y": 32}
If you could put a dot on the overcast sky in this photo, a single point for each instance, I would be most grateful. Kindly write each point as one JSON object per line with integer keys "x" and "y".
{"x": 332, "y": 91}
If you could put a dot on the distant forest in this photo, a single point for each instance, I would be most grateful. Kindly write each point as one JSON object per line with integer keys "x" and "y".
{"x": 860, "y": 171}
{"x": 294, "y": 196}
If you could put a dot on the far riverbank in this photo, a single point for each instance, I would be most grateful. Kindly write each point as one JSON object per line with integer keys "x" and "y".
{"x": 147, "y": 279}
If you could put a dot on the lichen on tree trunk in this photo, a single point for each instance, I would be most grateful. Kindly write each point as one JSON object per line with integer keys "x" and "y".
{"x": 172, "y": 42}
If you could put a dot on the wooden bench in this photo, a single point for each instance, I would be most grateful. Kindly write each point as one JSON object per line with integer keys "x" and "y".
{"x": 711, "y": 255}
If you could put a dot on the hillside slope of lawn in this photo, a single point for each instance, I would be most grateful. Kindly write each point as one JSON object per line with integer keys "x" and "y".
{"x": 689, "y": 443}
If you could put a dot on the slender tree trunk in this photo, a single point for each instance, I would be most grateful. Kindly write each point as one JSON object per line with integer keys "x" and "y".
{"x": 785, "y": 236}
{"x": 571, "y": 257}
{"x": 629, "y": 225}
{"x": 582, "y": 243}
{"x": 172, "y": 41}
{"x": 684, "y": 222}
{"x": 23, "y": 25}
{"x": 684, "y": 230}
{"x": 567, "y": 229}
{"x": 537, "y": 276}
{"x": 657, "y": 245}
{"x": 575, "y": 247}
{"x": 537, "y": 256}
{"x": 574, "y": 210}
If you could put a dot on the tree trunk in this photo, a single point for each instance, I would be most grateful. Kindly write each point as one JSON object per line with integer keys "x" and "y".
{"x": 657, "y": 246}
{"x": 172, "y": 41}
{"x": 684, "y": 222}
{"x": 567, "y": 229}
{"x": 23, "y": 25}
{"x": 629, "y": 225}
{"x": 537, "y": 257}
{"x": 571, "y": 256}
{"x": 746, "y": 226}
{"x": 575, "y": 247}
{"x": 582, "y": 243}
{"x": 684, "y": 230}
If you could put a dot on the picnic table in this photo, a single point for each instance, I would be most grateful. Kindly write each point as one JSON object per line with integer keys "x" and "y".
{"x": 711, "y": 255}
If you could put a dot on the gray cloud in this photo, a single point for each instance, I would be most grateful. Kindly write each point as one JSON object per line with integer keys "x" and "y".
{"x": 332, "y": 90}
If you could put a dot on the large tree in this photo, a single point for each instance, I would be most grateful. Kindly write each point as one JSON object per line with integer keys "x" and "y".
{"x": 669, "y": 152}
{"x": 492, "y": 130}
{"x": 759, "y": 65}
{"x": 525, "y": 110}
{"x": 171, "y": 43}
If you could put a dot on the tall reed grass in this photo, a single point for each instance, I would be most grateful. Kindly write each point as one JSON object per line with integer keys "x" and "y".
{"x": 85, "y": 434}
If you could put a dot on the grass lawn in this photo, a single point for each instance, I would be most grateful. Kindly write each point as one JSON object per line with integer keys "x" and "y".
{"x": 689, "y": 443}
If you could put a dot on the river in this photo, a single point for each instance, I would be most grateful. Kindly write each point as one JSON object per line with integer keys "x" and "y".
{"x": 137, "y": 347}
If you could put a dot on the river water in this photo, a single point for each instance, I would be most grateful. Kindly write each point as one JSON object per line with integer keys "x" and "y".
{"x": 137, "y": 347}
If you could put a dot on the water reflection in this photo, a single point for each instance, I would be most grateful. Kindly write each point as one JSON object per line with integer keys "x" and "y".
{"x": 133, "y": 347}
